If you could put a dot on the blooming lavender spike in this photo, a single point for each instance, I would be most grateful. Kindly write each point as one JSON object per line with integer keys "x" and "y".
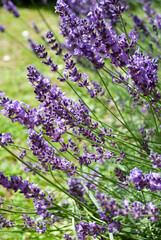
{"x": 84, "y": 229}
{"x": 41, "y": 200}
{"x": 5, "y": 139}
{"x": 5, "y": 224}
{"x": 155, "y": 159}
{"x": 143, "y": 71}
{"x": 10, "y": 7}
{"x": 19, "y": 112}
{"x": 49, "y": 35}
{"x": 109, "y": 205}
{"x": 137, "y": 210}
{"x": 121, "y": 176}
{"x": 91, "y": 37}
{"x": 47, "y": 154}
{"x": 22, "y": 154}
{"x": 38, "y": 225}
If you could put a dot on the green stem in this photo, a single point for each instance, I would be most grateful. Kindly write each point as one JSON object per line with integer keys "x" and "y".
{"x": 5, "y": 210}
{"x": 43, "y": 18}
{"x": 123, "y": 24}
{"x": 156, "y": 126}
{"x": 46, "y": 179}
{"x": 125, "y": 124}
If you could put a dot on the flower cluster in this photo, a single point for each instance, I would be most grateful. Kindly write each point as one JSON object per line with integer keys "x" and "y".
{"x": 155, "y": 159}
{"x": 10, "y": 7}
{"x": 152, "y": 180}
{"x": 143, "y": 71}
{"x": 47, "y": 155}
{"x": 84, "y": 229}
{"x": 4, "y": 223}
{"x": 39, "y": 226}
{"x": 19, "y": 112}
{"x": 110, "y": 208}
{"x": 30, "y": 190}
{"x": 91, "y": 37}
{"x": 138, "y": 210}
{"x": 5, "y": 139}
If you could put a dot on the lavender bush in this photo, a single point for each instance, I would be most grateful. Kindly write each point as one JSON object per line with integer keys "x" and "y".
{"x": 99, "y": 148}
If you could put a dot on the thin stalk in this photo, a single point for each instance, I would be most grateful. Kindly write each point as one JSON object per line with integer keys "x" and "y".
{"x": 43, "y": 18}
{"x": 119, "y": 120}
{"x": 156, "y": 126}
{"x": 17, "y": 41}
{"x": 123, "y": 24}
{"x": 109, "y": 148}
{"x": 125, "y": 124}
{"x": 80, "y": 98}
{"x": 14, "y": 212}
{"x": 46, "y": 179}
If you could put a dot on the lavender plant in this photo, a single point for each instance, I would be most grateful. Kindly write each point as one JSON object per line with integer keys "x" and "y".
{"x": 95, "y": 157}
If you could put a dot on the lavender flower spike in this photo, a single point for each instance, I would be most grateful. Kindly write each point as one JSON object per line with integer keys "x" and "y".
{"x": 5, "y": 139}
{"x": 10, "y": 7}
{"x": 5, "y": 224}
{"x": 143, "y": 71}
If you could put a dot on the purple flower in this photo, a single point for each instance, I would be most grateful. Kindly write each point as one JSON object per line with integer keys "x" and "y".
{"x": 2, "y": 28}
{"x": 67, "y": 237}
{"x": 139, "y": 24}
{"x": 41, "y": 200}
{"x": 143, "y": 71}
{"x": 91, "y": 37}
{"x": 22, "y": 154}
{"x": 121, "y": 176}
{"x": 10, "y": 7}
{"x": 155, "y": 159}
{"x": 32, "y": 45}
{"x": 76, "y": 188}
{"x": 84, "y": 229}
{"x": 148, "y": 9}
{"x": 47, "y": 155}
{"x": 6, "y": 138}
{"x": 137, "y": 210}
{"x": 49, "y": 35}
{"x": 35, "y": 28}
{"x": 6, "y": 224}
{"x": 114, "y": 227}
{"x": 154, "y": 181}
{"x": 158, "y": 21}
{"x": 19, "y": 112}
{"x": 153, "y": 210}
{"x": 109, "y": 206}
{"x": 151, "y": 180}
{"x": 39, "y": 226}
{"x": 138, "y": 178}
